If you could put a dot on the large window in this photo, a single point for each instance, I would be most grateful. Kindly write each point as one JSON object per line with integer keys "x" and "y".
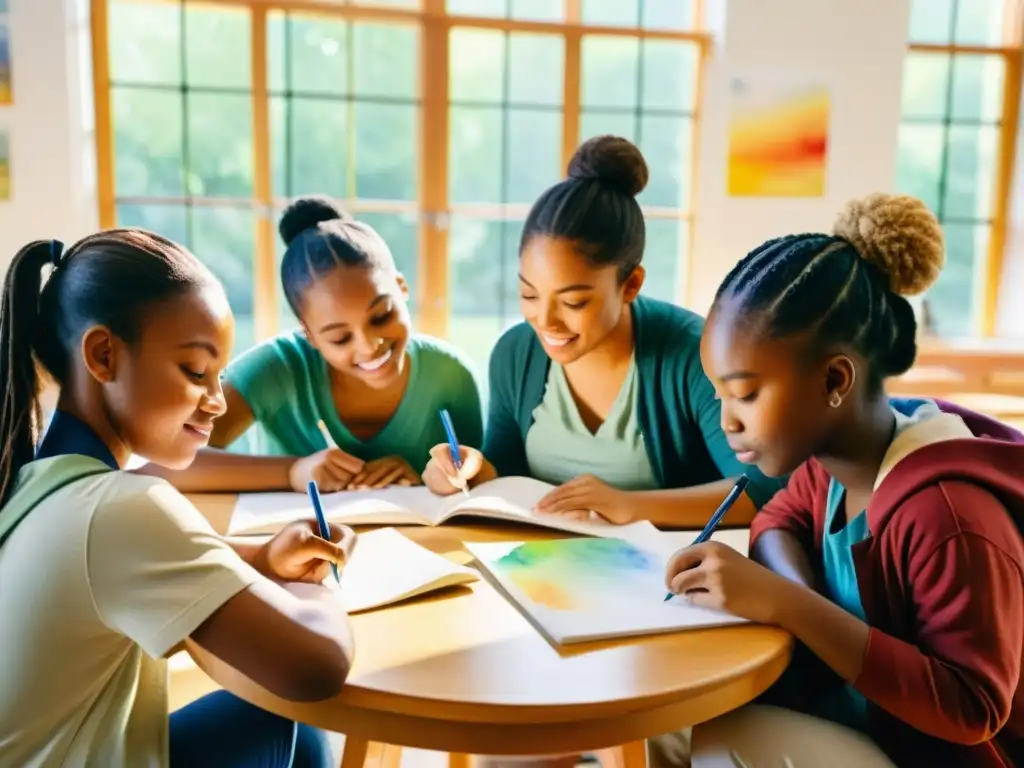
{"x": 961, "y": 94}
{"x": 438, "y": 122}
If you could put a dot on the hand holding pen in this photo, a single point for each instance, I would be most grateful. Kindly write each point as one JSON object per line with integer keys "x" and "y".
{"x": 452, "y": 465}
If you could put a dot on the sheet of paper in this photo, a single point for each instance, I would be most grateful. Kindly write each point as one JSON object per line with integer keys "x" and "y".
{"x": 387, "y": 567}
{"x": 267, "y": 512}
{"x": 583, "y": 589}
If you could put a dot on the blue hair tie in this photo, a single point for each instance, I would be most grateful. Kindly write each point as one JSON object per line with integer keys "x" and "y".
{"x": 56, "y": 252}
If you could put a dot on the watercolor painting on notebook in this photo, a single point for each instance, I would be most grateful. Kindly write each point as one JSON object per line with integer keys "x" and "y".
{"x": 580, "y": 589}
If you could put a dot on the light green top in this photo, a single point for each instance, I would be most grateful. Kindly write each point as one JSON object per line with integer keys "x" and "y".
{"x": 559, "y": 446}
{"x": 285, "y": 381}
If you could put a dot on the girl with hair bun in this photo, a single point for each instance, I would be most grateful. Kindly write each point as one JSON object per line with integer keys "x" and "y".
{"x": 894, "y": 555}
{"x": 355, "y": 365}
{"x": 601, "y": 390}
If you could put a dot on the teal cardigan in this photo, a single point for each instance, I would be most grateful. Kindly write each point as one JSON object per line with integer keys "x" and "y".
{"x": 678, "y": 413}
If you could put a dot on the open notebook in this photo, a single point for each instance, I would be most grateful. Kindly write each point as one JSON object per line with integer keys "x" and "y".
{"x": 507, "y": 498}
{"x": 576, "y": 590}
{"x": 387, "y": 567}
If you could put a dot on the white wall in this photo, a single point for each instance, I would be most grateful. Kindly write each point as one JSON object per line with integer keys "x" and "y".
{"x": 859, "y": 47}
{"x": 52, "y": 195}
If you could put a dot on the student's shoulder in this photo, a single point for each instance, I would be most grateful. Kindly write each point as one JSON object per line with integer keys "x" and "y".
{"x": 514, "y": 345}
{"x": 434, "y": 351}
{"x": 129, "y": 493}
{"x": 287, "y": 348}
{"x": 657, "y": 319}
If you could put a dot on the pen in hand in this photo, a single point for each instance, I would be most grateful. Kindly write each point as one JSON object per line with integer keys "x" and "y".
{"x": 716, "y": 518}
{"x": 321, "y": 521}
{"x": 453, "y": 446}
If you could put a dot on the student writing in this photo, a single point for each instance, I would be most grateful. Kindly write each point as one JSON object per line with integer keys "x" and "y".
{"x": 894, "y": 554}
{"x": 355, "y": 364}
{"x": 601, "y": 391}
{"x": 105, "y": 573}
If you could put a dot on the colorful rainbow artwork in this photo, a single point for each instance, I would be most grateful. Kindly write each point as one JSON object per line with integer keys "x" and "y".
{"x": 778, "y": 137}
{"x": 578, "y": 574}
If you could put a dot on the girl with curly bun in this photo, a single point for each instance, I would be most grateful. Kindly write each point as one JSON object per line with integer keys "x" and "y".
{"x": 601, "y": 391}
{"x": 894, "y": 556}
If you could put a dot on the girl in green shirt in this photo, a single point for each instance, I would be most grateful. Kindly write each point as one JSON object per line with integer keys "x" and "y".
{"x": 355, "y": 365}
{"x": 601, "y": 391}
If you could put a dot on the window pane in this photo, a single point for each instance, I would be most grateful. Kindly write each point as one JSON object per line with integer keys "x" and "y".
{"x": 970, "y": 172}
{"x": 475, "y": 154}
{"x": 608, "y": 71}
{"x": 666, "y": 145}
{"x": 616, "y": 13}
{"x": 665, "y": 259}
{"x": 309, "y": 147}
{"x": 931, "y": 21}
{"x": 389, "y": 3}
{"x": 952, "y": 296}
{"x": 977, "y": 88}
{"x": 483, "y": 283}
{"x": 217, "y": 47}
{"x": 534, "y": 153}
{"x": 536, "y": 69}
{"x": 401, "y": 232}
{"x": 307, "y": 54}
{"x": 386, "y": 60}
{"x": 219, "y": 145}
{"x": 385, "y": 151}
{"x": 919, "y": 162}
{"x": 980, "y": 22}
{"x": 476, "y": 65}
{"x": 670, "y": 75}
{"x": 149, "y": 161}
{"x": 667, "y": 14}
{"x": 622, "y": 124}
{"x": 145, "y": 43}
{"x": 171, "y": 221}
{"x": 477, "y": 7}
{"x": 925, "y": 85}
{"x": 222, "y": 238}
{"x": 538, "y": 10}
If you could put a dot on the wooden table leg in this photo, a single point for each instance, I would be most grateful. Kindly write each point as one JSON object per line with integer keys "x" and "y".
{"x": 459, "y": 760}
{"x": 632, "y": 755}
{"x": 360, "y": 753}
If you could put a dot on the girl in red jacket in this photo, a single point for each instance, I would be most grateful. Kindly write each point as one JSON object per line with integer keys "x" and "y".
{"x": 895, "y": 555}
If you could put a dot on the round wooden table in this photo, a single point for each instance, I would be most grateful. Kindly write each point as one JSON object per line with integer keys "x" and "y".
{"x": 463, "y": 671}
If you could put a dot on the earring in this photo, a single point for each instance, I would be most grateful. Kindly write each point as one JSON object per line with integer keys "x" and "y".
{"x": 834, "y": 400}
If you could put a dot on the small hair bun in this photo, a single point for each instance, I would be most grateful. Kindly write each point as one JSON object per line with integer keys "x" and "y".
{"x": 613, "y": 161}
{"x": 305, "y": 213}
{"x": 899, "y": 235}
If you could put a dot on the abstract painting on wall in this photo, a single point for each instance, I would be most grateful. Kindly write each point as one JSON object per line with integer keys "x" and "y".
{"x": 6, "y": 91}
{"x": 778, "y": 135}
{"x": 5, "y": 165}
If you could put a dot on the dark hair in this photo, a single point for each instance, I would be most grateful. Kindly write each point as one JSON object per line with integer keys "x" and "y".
{"x": 848, "y": 287}
{"x": 320, "y": 237}
{"x": 596, "y": 207}
{"x": 107, "y": 279}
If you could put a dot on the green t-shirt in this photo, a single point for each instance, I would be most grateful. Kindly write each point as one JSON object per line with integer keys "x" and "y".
{"x": 285, "y": 381}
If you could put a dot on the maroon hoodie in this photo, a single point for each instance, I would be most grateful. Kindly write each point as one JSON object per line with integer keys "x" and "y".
{"x": 941, "y": 579}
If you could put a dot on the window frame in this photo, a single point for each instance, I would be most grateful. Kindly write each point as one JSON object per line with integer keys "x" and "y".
{"x": 1011, "y": 51}
{"x": 435, "y": 209}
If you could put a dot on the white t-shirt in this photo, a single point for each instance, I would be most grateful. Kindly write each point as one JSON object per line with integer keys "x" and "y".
{"x": 97, "y": 584}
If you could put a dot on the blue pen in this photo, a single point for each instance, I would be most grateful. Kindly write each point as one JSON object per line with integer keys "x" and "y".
{"x": 321, "y": 521}
{"x": 716, "y": 518}
{"x": 453, "y": 443}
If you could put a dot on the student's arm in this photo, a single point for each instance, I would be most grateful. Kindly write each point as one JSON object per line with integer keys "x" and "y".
{"x": 782, "y": 532}
{"x": 160, "y": 576}
{"x": 504, "y": 448}
{"x": 691, "y": 507}
{"x": 958, "y": 682}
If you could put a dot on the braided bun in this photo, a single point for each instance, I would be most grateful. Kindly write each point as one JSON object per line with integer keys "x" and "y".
{"x": 899, "y": 235}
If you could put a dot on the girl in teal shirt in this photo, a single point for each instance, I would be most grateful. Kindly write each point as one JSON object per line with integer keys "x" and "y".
{"x": 355, "y": 365}
{"x": 601, "y": 391}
